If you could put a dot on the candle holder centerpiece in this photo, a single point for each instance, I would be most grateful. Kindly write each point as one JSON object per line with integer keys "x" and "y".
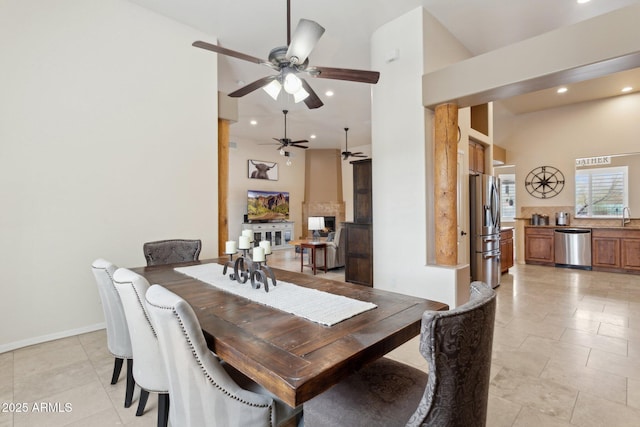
{"x": 230, "y": 249}
{"x": 252, "y": 268}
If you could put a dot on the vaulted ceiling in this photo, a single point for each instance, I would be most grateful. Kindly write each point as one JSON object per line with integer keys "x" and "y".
{"x": 255, "y": 27}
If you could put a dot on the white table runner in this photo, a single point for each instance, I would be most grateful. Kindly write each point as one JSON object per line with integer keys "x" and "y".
{"x": 318, "y": 306}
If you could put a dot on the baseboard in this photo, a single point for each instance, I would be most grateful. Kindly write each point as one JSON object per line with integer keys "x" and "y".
{"x": 50, "y": 337}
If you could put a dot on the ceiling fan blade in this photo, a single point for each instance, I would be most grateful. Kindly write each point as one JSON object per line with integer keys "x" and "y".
{"x": 298, "y": 146}
{"x": 304, "y": 39}
{"x": 224, "y": 51}
{"x": 299, "y": 142}
{"x": 312, "y": 101}
{"x": 252, "y": 86}
{"x": 363, "y": 76}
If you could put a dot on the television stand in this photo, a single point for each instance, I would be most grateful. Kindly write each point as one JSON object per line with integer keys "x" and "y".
{"x": 278, "y": 233}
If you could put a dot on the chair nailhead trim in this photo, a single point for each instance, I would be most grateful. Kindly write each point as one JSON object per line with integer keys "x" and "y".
{"x": 204, "y": 371}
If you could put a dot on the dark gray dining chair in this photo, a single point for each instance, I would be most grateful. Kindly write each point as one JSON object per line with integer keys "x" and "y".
{"x": 171, "y": 251}
{"x": 457, "y": 345}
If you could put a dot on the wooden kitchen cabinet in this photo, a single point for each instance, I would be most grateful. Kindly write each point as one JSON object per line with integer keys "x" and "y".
{"x": 476, "y": 157}
{"x": 539, "y": 245}
{"x": 605, "y": 249}
{"x": 630, "y": 250}
{"x": 506, "y": 250}
{"x": 616, "y": 250}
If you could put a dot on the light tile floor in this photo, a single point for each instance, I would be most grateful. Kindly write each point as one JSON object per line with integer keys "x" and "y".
{"x": 566, "y": 353}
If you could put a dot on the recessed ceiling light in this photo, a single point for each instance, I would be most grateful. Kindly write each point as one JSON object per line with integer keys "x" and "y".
{"x": 240, "y": 82}
{"x": 329, "y": 93}
{"x": 627, "y": 89}
{"x": 312, "y": 136}
{"x": 582, "y": 1}
{"x": 562, "y": 90}
{"x": 253, "y": 122}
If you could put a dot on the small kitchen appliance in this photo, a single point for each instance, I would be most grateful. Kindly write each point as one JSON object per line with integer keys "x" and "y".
{"x": 562, "y": 218}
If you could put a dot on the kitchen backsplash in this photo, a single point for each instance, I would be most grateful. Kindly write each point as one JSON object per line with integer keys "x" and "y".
{"x": 527, "y": 211}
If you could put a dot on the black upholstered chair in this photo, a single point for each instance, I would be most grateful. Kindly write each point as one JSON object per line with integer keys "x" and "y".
{"x": 457, "y": 346}
{"x": 171, "y": 251}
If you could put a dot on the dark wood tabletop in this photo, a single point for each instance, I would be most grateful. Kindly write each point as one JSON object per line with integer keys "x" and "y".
{"x": 294, "y": 358}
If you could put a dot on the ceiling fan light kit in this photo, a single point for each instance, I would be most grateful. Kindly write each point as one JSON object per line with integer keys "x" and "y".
{"x": 300, "y": 95}
{"x": 273, "y": 89}
{"x": 292, "y": 85}
{"x": 291, "y": 60}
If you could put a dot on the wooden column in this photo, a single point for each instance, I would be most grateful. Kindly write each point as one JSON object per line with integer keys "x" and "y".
{"x": 223, "y": 183}
{"x": 446, "y": 174}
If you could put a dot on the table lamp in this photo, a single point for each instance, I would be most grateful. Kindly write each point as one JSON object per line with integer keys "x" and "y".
{"x": 316, "y": 223}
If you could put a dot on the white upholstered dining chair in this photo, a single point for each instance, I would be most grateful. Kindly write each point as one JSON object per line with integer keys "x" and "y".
{"x": 386, "y": 393}
{"x": 118, "y": 341}
{"x": 204, "y": 390}
{"x": 149, "y": 371}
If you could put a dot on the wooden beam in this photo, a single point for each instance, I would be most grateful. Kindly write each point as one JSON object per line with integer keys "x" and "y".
{"x": 223, "y": 183}
{"x": 445, "y": 179}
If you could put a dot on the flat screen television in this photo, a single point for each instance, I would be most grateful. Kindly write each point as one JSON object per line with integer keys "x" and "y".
{"x": 264, "y": 206}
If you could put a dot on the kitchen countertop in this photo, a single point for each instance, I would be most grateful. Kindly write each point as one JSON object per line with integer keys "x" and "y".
{"x": 604, "y": 227}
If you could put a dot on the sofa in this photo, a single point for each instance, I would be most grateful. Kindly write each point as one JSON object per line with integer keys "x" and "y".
{"x": 335, "y": 251}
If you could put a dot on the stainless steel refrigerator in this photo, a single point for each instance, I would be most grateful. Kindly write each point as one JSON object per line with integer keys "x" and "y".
{"x": 484, "y": 213}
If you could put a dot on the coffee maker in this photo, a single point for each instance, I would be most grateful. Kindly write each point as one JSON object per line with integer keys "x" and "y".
{"x": 562, "y": 218}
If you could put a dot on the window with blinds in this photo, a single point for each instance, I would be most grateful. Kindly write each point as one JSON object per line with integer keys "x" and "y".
{"x": 601, "y": 192}
{"x": 507, "y": 197}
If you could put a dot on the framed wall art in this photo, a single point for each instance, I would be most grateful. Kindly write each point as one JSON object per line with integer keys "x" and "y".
{"x": 259, "y": 169}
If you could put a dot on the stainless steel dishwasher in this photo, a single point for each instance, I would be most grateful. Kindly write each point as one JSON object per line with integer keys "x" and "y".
{"x": 573, "y": 247}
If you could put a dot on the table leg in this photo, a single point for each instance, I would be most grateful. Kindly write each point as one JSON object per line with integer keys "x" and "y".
{"x": 313, "y": 262}
{"x": 301, "y": 259}
{"x": 325, "y": 259}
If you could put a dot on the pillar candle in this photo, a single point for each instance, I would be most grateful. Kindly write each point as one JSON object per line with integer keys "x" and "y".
{"x": 258, "y": 254}
{"x": 249, "y": 234}
{"x": 230, "y": 247}
{"x": 266, "y": 245}
{"x": 243, "y": 242}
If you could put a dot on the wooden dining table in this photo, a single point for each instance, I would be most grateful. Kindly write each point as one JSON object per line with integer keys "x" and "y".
{"x": 294, "y": 358}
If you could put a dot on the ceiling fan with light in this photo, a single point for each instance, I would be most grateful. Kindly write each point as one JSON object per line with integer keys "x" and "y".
{"x": 291, "y": 60}
{"x": 346, "y": 153}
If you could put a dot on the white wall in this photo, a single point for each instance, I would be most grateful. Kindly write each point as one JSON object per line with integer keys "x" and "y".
{"x": 556, "y": 137}
{"x": 402, "y": 140}
{"x": 291, "y": 179}
{"x": 108, "y": 139}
